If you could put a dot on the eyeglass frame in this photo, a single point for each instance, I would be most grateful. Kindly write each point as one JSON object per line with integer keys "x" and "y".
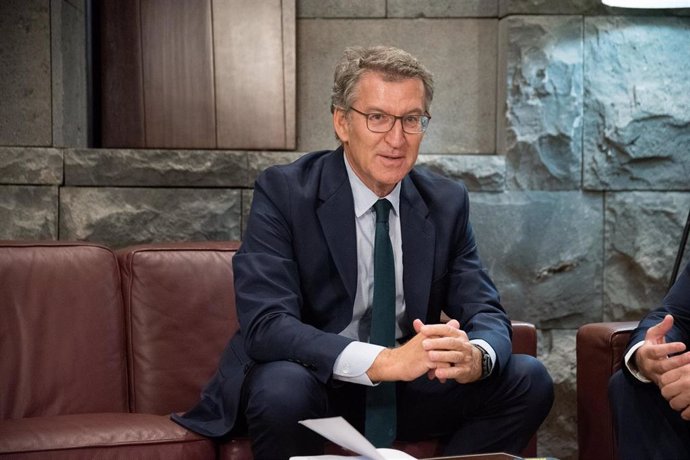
{"x": 422, "y": 117}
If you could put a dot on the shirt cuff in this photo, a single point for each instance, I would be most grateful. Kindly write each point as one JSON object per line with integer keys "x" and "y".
{"x": 631, "y": 367}
{"x": 485, "y": 346}
{"x": 354, "y": 361}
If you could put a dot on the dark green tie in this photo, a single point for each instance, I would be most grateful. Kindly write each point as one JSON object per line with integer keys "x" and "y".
{"x": 380, "y": 414}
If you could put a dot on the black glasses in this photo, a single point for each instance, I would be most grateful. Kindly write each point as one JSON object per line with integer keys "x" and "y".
{"x": 379, "y": 122}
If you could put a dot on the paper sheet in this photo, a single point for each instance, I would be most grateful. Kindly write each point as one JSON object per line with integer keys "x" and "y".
{"x": 339, "y": 431}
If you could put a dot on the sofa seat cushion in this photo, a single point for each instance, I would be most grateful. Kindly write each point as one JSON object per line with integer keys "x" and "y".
{"x": 103, "y": 435}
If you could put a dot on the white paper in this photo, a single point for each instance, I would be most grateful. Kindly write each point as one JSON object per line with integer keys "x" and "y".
{"x": 339, "y": 431}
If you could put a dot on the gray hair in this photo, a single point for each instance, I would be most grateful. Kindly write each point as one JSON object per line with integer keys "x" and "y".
{"x": 393, "y": 63}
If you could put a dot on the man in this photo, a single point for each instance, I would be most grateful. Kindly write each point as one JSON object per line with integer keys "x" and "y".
{"x": 650, "y": 397}
{"x": 306, "y": 290}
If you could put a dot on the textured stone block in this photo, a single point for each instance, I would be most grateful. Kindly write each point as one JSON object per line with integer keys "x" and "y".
{"x": 28, "y": 213}
{"x": 25, "y": 73}
{"x": 558, "y": 434}
{"x": 540, "y": 94}
{"x": 586, "y": 7}
{"x": 643, "y": 232}
{"x": 544, "y": 252}
{"x": 460, "y": 52}
{"x": 507, "y": 7}
{"x": 247, "y": 196}
{"x": 20, "y": 165}
{"x": 68, "y": 42}
{"x": 154, "y": 168}
{"x": 340, "y": 9}
{"x": 484, "y": 173}
{"x": 637, "y": 122}
{"x": 259, "y": 161}
{"x": 442, "y": 8}
{"x": 123, "y": 216}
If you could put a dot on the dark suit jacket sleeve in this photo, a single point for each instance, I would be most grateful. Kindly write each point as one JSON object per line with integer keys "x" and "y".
{"x": 676, "y": 303}
{"x": 459, "y": 285}
{"x": 267, "y": 285}
{"x": 472, "y": 297}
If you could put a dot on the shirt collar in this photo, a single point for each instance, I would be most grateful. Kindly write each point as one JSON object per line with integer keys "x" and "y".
{"x": 364, "y": 198}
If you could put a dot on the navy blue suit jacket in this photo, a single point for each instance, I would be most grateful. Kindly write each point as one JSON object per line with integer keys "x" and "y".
{"x": 296, "y": 272}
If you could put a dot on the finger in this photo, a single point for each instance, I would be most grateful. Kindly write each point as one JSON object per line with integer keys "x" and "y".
{"x": 673, "y": 369}
{"x": 460, "y": 343}
{"x": 451, "y": 358}
{"x": 441, "y": 330}
{"x": 685, "y": 415}
{"x": 664, "y": 350}
{"x": 417, "y": 324}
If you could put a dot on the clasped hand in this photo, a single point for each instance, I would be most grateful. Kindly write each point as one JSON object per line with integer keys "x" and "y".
{"x": 442, "y": 351}
{"x": 667, "y": 366}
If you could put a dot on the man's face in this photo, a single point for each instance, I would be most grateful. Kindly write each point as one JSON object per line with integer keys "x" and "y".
{"x": 381, "y": 160}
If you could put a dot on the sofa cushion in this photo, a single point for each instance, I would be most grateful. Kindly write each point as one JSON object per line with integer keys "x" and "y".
{"x": 102, "y": 435}
{"x": 62, "y": 330}
{"x": 180, "y": 310}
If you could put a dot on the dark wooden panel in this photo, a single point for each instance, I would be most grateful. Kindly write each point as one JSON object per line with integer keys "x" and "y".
{"x": 250, "y": 73}
{"x": 122, "y": 102}
{"x": 177, "y": 60}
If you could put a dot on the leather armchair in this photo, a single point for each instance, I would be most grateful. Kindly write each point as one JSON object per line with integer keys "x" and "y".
{"x": 600, "y": 349}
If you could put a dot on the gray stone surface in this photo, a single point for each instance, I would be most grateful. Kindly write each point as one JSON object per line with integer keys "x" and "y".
{"x": 637, "y": 122}
{"x": 544, "y": 252}
{"x": 484, "y": 173}
{"x": 540, "y": 109}
{"x": 507, "y": 7}
{"x": 460, "y": 52}
{"x": 442, "y": 8}
{"x": 28, "y": 212}
{"x": 643, "y": 232}
{"x": 557, "y": 436}
{"x": 22, "y": 165}
{"x": 123, "y": 216}
{"x": 585, "y": 7}
{"x": 68, "y": 43}
{"x": 25, "y": 73}
{"x": 341, "y": 9}
{"x": 259, "y": 161}
{"x": 154, "y": 168}
{"x": 247, "y": 196}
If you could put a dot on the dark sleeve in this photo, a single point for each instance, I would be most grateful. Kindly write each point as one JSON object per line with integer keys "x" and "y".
{"x": 472, "y": 297}
{"x": 268, "y": 289}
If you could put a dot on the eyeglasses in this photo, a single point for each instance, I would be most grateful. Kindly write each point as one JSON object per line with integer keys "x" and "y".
{"x": 379, "y": 122}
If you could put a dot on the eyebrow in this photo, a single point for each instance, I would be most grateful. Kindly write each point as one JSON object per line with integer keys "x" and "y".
{"x": 374, "y": 109}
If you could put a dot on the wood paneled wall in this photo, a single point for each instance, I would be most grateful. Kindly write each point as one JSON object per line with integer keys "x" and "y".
{"x": 198, "y": 74}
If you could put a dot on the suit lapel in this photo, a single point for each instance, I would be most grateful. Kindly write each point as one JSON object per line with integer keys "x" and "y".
{"x": 337, "y": 217}
{"x": 418, "y": 241}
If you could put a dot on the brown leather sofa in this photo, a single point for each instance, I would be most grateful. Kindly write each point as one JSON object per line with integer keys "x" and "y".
{"x": 600, "y": 349}
{"x": 97, "y": 347}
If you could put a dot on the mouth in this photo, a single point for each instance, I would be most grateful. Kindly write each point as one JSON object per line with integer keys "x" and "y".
{"x": 392, "y": 157}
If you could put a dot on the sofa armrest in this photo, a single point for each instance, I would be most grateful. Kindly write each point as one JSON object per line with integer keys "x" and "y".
{"x": 600, "y": 348}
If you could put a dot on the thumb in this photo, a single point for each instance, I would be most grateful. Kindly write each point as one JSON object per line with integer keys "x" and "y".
{"x": 417, "y": 324}
{"x": 657, "y": 333}
{"x": 454, "y": 323}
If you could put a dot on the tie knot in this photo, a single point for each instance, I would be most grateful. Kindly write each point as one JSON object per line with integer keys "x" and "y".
{"x": 382, "y": 208}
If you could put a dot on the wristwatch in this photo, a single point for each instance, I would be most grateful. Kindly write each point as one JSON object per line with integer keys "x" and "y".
{"x": 487, "y": 365}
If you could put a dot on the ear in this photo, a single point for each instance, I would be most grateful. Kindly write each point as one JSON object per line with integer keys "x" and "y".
{"x": 341, "y": 124}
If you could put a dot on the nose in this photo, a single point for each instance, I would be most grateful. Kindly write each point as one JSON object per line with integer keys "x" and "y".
{"x": 396, "y": 136}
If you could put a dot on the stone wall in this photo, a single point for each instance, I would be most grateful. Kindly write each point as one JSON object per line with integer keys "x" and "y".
{"x": 568, "y": 120}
